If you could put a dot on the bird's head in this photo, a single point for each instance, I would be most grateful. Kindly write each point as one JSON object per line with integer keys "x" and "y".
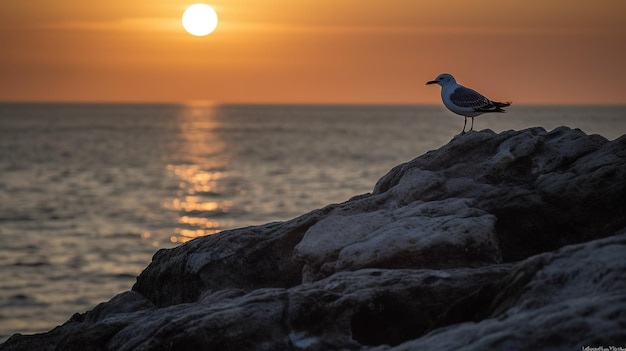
{"x": 442, "y": 79}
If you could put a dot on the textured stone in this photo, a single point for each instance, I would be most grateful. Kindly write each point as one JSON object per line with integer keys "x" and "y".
{"x": 494, "y": 241}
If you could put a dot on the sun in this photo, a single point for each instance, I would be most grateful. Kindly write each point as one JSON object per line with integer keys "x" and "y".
{"x": 199, "y": 20}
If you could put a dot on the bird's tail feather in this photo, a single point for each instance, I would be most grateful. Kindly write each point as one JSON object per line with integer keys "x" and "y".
{"x": 502, "y": 104}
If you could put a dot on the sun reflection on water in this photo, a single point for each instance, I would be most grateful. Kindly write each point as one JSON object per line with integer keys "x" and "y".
{"x": 199, "y": 201}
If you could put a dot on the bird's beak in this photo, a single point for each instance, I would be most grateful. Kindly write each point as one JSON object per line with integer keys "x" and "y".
{"x": 431, "y": 82}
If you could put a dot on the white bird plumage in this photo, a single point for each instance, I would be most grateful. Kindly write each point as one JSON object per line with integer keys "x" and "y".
{"x": 465, "y": 101}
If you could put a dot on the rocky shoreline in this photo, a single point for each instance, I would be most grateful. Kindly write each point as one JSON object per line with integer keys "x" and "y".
{"x": 512, "y": 241}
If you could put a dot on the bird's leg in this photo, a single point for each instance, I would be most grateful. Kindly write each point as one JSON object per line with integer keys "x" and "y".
{"x": 464, "y": 125}
{"x": 472, "y": 127}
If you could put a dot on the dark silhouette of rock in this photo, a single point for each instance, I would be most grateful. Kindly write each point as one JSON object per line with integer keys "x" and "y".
{"x": 509, "y": 241}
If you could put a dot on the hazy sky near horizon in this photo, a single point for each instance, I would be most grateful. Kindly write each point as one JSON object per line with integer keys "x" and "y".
{"x": 324, "y": 51}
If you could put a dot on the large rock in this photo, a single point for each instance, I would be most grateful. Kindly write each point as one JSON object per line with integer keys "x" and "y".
{"x": 465, "y": 247}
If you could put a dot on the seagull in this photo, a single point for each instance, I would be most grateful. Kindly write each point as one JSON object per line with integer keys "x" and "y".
{"x": 465, "y": 101}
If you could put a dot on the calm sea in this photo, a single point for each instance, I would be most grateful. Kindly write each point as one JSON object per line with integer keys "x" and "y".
{"x": 89, "y": 192}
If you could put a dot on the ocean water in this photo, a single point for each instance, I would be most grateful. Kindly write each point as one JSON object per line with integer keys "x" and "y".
{"x": 89, "y": 192}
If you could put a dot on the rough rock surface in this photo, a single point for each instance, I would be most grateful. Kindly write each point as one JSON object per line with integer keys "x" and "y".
{"x": 511, "y": 241}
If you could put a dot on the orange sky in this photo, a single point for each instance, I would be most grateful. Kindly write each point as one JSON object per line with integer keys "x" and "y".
{"x": 322, "y": 51}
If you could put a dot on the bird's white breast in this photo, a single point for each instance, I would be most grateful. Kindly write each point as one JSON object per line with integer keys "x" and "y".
{"x": 446, "y": 92}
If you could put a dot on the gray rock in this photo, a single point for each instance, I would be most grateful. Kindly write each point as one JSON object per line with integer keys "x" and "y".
{"x": 494, "y": 241}
{"x": 564, "y": 300}
{"x": 412, "y": 236}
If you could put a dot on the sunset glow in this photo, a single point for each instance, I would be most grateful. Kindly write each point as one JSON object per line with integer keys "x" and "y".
{"x": 324, "y": 51}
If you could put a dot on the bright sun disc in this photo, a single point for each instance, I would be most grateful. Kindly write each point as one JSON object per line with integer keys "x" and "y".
{"x": 199, "y": 20}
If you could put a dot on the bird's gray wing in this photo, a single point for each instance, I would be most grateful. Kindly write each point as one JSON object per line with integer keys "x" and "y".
{"x": 465, "y": 97}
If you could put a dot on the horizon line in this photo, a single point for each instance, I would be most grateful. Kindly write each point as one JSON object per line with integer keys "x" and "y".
{"x": 200, "y": 102}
